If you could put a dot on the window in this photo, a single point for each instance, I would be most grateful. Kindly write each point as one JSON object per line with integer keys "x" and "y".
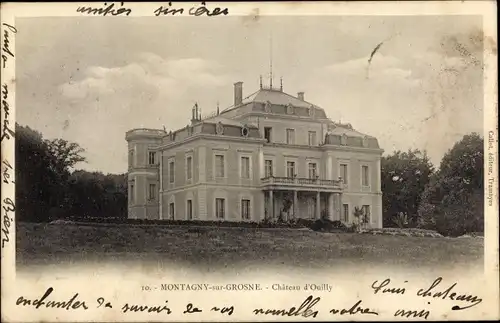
{"x": 131, "y": 161}
{"x": 219, "y": 208}
{"x": 290, "y": 169}
{"x": 346, "y": 212}
{"x": 171, "y": 210}
{"x": 131, "y": 193}
{"x": 366, "y": 213}
{"x": 171, "y": 171}
{"x": 245, "y": 209}
{"x": 189, "y": 167}
{"x": 268, "y": 168}
{"x": 219, "y": 165}
{"x": 290, "y": 136}
{"x": 267, "y": 133}
{"x": 152, "y": 158}
{"x": 344, "y": 173}
{"x": 189, "y": 209}
{"x": 312, "y": 170}
{"x": 312, "y": 138}
{"x": 311, "y": 208}
{"x": 152, "y": 191}
{"x": 245, "y": 167}
{"x": 365, "y": 179}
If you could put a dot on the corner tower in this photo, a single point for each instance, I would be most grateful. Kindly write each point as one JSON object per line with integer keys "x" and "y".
{"x": 143, "y": 173}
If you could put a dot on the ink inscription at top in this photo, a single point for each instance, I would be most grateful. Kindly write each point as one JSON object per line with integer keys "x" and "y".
{"x": 201, "y": 10}
{"x": 108, "y": 9}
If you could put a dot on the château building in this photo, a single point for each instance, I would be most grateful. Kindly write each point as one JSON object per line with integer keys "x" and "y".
{"x": 269, "y": 155}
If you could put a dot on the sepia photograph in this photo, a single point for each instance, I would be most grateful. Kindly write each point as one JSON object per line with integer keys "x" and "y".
{"x": 245, "y": 144}
{"x": 263, "y": 140}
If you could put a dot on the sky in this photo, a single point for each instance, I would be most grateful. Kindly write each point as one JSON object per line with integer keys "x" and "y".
{"x": 89, "y": 80}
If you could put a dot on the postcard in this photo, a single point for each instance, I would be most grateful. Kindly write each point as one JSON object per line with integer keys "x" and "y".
{"x": 252, "y": 161}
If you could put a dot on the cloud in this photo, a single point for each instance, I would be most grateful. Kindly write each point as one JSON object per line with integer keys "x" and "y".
{"x": 149, "y": 92}
{"x": 406, "y": 101}
{"x": 151, "y": 72}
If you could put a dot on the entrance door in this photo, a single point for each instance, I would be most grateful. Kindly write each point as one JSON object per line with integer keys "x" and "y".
{"x": 311, "y": 208}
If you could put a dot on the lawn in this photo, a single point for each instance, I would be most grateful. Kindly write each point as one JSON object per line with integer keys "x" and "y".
{"x": 46, "y": 244}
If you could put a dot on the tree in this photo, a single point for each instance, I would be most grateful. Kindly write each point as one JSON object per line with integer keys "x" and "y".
{"x": 452, "y": 202}
{"x": 36, "y": 182}
{"x": 404, "y": 178}
{"x": 48, "y": 187}
{"x": 42, "y": 170}
{"x": 93, "y": 194}
{"x": 65, "y": 155}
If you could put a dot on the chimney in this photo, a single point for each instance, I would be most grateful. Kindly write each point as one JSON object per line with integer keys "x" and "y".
{"x": 238, "y": 93}
{"x": 300, "y": 95}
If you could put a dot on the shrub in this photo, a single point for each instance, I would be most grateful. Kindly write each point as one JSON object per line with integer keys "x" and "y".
{"x": 459, "y": 214}
{"x": 327, "y": 225}
{"x": 317, "y": 225}
{"x": 403, "y": 232}
{"x": 353, "y": 227}
{"x": 400, "y": 220}
{"x": 306, "y": 223}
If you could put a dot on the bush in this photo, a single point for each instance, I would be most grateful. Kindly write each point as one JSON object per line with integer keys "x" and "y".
{"x": 324, "y": 225}
{"x": 403, "y": 232}
{"x": 317, "y": 225}
{"x": 462, "y": 213}
{"x": 400, "y": 220}
{"x": 327, "y": 225}
{"x": 266, "y": 223}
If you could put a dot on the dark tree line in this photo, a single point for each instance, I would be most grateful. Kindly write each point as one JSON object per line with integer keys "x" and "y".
{"x": 449, "y": 200}
{"x": 48, "y": 187}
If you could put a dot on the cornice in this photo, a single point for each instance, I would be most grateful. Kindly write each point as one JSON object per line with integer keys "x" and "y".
{"x": 211, "y": 137}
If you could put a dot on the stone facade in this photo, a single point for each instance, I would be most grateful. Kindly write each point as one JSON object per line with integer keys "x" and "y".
{"x": 270, "y": 155}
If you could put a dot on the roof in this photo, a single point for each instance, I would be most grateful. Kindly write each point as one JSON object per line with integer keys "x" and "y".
{"x": 276, "y": 97}
{"x": 348, "y": 132}
{"x": 226, "y": 121}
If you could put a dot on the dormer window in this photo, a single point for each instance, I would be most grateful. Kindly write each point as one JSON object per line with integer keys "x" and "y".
{"x": 244, "y": 131}
{"x": 311, "y": 111}
{"x": 343, "y": 140}
{"x": 365, "y": 141}
{"x": 219, "y": 129}
{"x": 289, "y": 109}
{"x": 267, "y": 107}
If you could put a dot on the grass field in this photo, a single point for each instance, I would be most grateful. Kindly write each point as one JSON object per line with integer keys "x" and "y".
{"x": 45, "y": 244}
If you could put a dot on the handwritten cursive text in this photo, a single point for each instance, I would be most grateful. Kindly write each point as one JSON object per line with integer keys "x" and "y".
{"x": 8, "y": 208}
{"x": 6, "y": 131}
{"x": 71, "y": 304}
{"x": 202, "y": 10}
{"x": 6, "y": 173}
{"x": 304, "y": 310}
{"x": 379, "y": 287}
{"x": 146, "y": 308}
{"x": 412, "y": 314}
{"x": 108, "y": 9}
{"x": 355, "y": 309}
{"x": 6, "y": 51}
{"x": 448, "y": 294}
